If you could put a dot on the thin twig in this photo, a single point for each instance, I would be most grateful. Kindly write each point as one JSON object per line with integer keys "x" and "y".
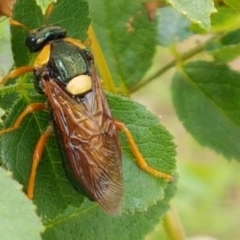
{"x": 185, "y": 56}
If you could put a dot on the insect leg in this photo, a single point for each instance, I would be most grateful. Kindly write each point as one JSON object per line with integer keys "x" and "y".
{"x": 29, "y": 109}
{"x": 16, "y": 73}
{"x": 37, "y": 158}
{"x": 41, "y": 59}
{"x": 48, "y": 12}
{"x": 18, "y": 24}
{"x": 139, "y": 158}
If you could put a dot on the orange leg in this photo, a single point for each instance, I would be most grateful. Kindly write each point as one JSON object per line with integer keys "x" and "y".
{"x": 29, "y": 109}
{"x": 16, "y": 73}
{"x": 18, "y": 24}
{"x": 37, "y": 158}
{"x": 39, "y": 147}
{"x": 41, "y": 59}
{"x": 139, "y": 158}
{"x": 48, "y": 12}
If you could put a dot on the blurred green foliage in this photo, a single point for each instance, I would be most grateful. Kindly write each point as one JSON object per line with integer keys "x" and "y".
{"x": 208, "y": 196}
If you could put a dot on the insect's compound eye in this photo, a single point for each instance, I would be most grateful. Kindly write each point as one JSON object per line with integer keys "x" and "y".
{"x": 31, "y": 43}
{"x": 30, "y": 40}
{"x": 79, "y": 85}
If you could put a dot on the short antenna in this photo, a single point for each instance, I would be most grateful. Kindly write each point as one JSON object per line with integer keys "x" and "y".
{"x": 18, "y": 24}
{"x": 48, "y": 12}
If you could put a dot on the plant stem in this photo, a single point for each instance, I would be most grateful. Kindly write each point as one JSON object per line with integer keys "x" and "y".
{"x": 185, "y": 56}
{"x": 173, "y": 226}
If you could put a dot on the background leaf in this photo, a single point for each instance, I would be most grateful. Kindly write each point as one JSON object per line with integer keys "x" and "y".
{"x": 18, "y": 215}
{"x": 211, "y": 91}
{"x": 173, "y": 27}
{"x": 226, "y": 48}
{"x": 233, "y": 3}
{"x": 225, "y": 19}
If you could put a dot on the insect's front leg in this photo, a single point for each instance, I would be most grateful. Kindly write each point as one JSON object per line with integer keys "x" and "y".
{"x": 41, "y": 59}
{"x": 139, "y": 158}
{"x": 16, "y": 73}
{"x": 29, "y": 109}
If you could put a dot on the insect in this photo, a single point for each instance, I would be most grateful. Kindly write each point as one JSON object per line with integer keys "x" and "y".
{"x": 64, "y": 72}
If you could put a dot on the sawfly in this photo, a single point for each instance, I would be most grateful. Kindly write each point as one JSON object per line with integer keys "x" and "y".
{"x": 80, "y": 116}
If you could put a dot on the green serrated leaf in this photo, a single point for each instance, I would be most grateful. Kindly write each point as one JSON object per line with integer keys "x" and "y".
{"x": 127, "y": 38}
{"x": 75, "y": 222}
{"x": 68, "y": 16}
{"x": 197, "y": 11}
{"x": 17, "y": 214}
{"x": 207, "y": 100}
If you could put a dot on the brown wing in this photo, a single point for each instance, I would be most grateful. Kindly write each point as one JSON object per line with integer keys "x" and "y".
{"x": 90, "y": 140}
